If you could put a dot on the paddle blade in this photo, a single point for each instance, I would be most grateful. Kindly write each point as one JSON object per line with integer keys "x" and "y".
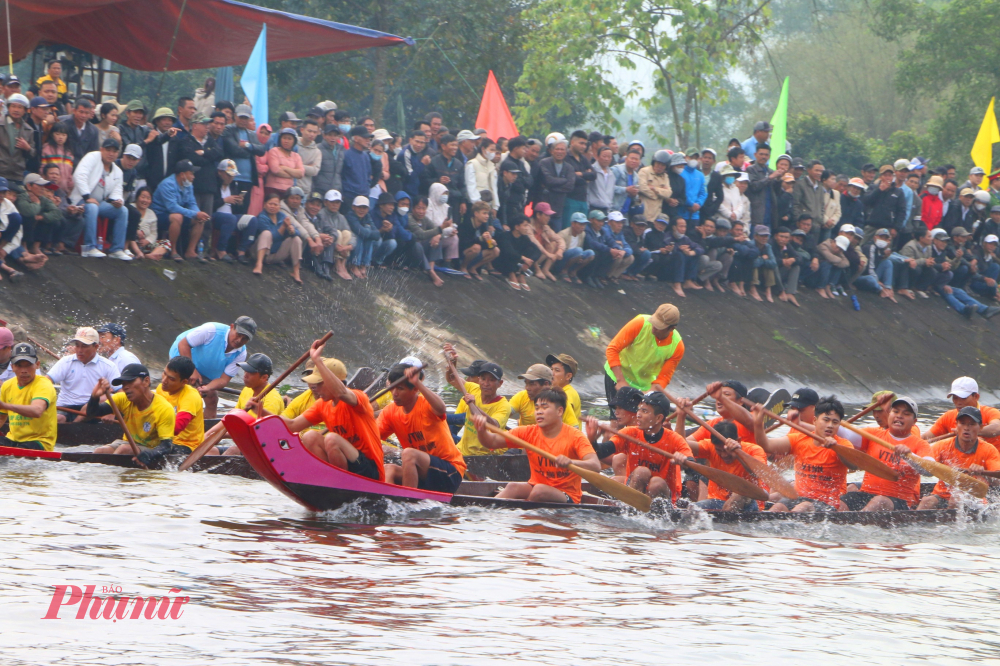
{"x": 861, "y": 460}
{"x": 619, "y": 491}
{"x": 758, "y": 395}
{"x": 953, "y": 477}
{"x": 731, "y": 482}
{"x": 776, "y": 401}
{"x": 769, "y": 475}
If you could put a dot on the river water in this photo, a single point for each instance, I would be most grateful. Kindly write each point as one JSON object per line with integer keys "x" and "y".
{"x": 270, "y": 583}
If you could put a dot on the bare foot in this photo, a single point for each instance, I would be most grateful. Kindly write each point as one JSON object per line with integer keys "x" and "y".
{"x": 708, "y": 286}
{"x": 436, "y": 280}
{"x": 678, "y": 290}
{"x": 791, "y": 299}
{"x": 736, "y": 289}
{"x": 691, "y": 284}
{"x": 822, "y": 293}
{"x": 909, "y": 294}
{"x": 754, "y": 295}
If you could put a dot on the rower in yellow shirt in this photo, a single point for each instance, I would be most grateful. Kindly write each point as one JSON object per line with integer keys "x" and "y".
{"x": 564, "y": 369}
{"x": 495, "y": 407}
{"x": 28, "y": 402}
{"x": 256, "y": 374}
{"x": 537, "y": 378}
{"x": 189, "y": 408}
{"x": 149, "y": 417}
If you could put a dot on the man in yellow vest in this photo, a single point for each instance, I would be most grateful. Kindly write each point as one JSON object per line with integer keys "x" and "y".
{"x": 645, "y": 353}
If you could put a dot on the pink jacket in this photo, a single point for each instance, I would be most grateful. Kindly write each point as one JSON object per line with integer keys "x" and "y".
{"x": 277, "y": 157}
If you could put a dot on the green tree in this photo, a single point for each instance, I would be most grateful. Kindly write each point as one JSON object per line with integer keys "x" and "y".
{"x": 578, "y": 50}
{"x": 817, "y": 137}
{"x": 950, "y": 54}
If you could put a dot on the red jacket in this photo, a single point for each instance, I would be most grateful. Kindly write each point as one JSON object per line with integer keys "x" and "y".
{"x": 931, "y": 209}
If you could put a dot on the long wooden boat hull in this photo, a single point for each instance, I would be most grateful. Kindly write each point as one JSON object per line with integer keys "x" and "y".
{"x": 279, "y": 457}
{"x": 88, "y": 433}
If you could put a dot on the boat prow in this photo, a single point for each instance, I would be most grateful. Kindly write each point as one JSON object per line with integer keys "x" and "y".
{"x": 280, "y": 458}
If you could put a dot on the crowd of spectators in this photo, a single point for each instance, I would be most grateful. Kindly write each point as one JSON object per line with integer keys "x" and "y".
{"x": 205, "y": 182}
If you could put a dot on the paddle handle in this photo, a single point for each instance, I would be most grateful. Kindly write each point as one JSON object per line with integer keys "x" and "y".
{"x": 940, "y": 437}
{"x": 43, "y": 347}
{"x": 693, "y": 402}
{"x": 212, "y": 437}
{"x": 865, "y": 412}
{"x": 121, "y": 422}
{"x": 388, "y": 388}
{"x": 70, "y": 410}
{"x": 579, "y": 471}
{"x": 782, "y": 420}
{"x": 290, "y": 370}
{"x": 636, "y": 441}
{"x": 694, "y": 417}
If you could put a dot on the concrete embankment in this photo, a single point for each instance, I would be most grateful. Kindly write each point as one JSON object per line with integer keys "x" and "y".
{"x": 916, "y": 347}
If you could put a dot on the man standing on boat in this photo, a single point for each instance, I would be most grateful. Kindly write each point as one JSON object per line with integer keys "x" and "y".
{"x": 645, "y": 353}
{"x": 418, "y": 418}
{"x": 965, "y": 451}
{"x": 216, "y": 349}
{"x": 28, "y": 402}
{"x": 550, "y": 481}
{"x": 352, "y": 442}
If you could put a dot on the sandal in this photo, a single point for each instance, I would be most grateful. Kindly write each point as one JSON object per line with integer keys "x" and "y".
{"x": 525, "y": 287}
{"x": 516, "y": 286}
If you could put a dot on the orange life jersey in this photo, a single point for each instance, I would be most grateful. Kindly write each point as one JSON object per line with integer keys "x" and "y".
{"x": 819, "y": 472}
{"x": 985, "y": 455}
{"x": 744, "y": 434}
{"x": 570, "y": 442}
{"x": 946, "y": 422}
{"x": 355, "y": 423}
{"x": 659, "y": 465}
{"x": 907, "y": 488}
{"x": 421, "y": 429}
{"x": 707, "y": 450}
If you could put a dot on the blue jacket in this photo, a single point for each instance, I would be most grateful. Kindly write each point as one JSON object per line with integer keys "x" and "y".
{"x": 170, "y": 198}
{"x": 263, "y": 223}
{"x": 364, "y": 228}
{"x": 617, "y": 241}
{"x": 414, "y": 169}
{"x": 621, "y": 182}
{"x": 400, "y": 222}
{"x": 694, "y": 188}
{"x": 598, "y": 241}
{"x": 356, "y": 175}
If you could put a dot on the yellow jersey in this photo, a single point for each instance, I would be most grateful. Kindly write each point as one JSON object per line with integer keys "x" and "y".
{"x": 23, "y": 428}
{"x": 188, "y": 399}
{"x": 499, "y": 410}
{"x": 273, "y": 402}
{"x": 150, "y": 426}
{"x": 525, "y": 408}
{"x": 300, "y": 404}
{"x": 573, "y": 416}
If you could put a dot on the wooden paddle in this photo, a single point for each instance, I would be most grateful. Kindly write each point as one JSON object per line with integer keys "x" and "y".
{"x": 45, "y": 349}
{"x": 457, "y": 384}
{"x": 389, "y": 388}
{"x": 693, "y": 403}
{"x": 992, "y": 473}
{"x": 949, "y": 475}
{"x": 217, "y": 435}
{"x": 881, "y": 402}
{"x": 940, "y": 437}
{"x": 619, "y": 491}
{"x": 121, "y": 422}
{"x": 730, "y": 482}
{"x": 761, "y": 470}
{"x": 848, "y": 454}
{"x": 70, "y": 410}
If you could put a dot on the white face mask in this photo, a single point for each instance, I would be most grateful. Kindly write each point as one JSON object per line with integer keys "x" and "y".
{"x": 693, "y": 164}
{"x": 491, "y": 154}
{"x": 679, "y": 169}
{"x": 403, "y": 210}
{"x": 443, "y": 199}
{"x": 980, "y": 206}
{"x": 881, "y": 244}
{"x": 934, "y": 189}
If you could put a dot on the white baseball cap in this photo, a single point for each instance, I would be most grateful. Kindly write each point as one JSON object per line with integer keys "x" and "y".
{"x": 963, "y": 387}
{"x": 842, "y": 243}
{"x": 133, "y": 150}
{"x": 616, "y": 216}
{"x": 333, "y": 195}
{"x": 361, "y": 201}
{"x": 847, "y": 229}
{"x": 991, "y": 238}
{"x": 411, "y": 361}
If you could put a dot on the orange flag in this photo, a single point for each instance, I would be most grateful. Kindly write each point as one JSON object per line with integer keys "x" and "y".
{"x": 494, "y": 116}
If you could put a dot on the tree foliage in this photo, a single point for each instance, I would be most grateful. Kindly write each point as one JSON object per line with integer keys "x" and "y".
{"x": 951, "y": 55}
{"x": 578, "y": 51}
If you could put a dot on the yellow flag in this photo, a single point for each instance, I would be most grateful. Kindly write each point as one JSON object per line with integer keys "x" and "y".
{"x": 982, "y": 149}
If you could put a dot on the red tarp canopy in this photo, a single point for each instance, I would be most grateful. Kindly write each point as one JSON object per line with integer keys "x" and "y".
{"x": 213, "y": 33}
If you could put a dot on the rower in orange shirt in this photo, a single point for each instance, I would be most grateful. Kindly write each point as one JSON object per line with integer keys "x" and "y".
{"x": 623, "y": 411}
{"x": 418, "y": 418}
{"x": 352, "y": 440}
{"x": 550, "y": 481}
{"x": 820, "y": 474}
{"x": 645, "y": 353}
{"x": 879, "y": 494}
{"x": 965, "y": 451}
{"x": 965, "y": 393}
{"x": 722, "y": 455}
{"x": 729, "y": 409}
{"x": 649, "y": 472}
